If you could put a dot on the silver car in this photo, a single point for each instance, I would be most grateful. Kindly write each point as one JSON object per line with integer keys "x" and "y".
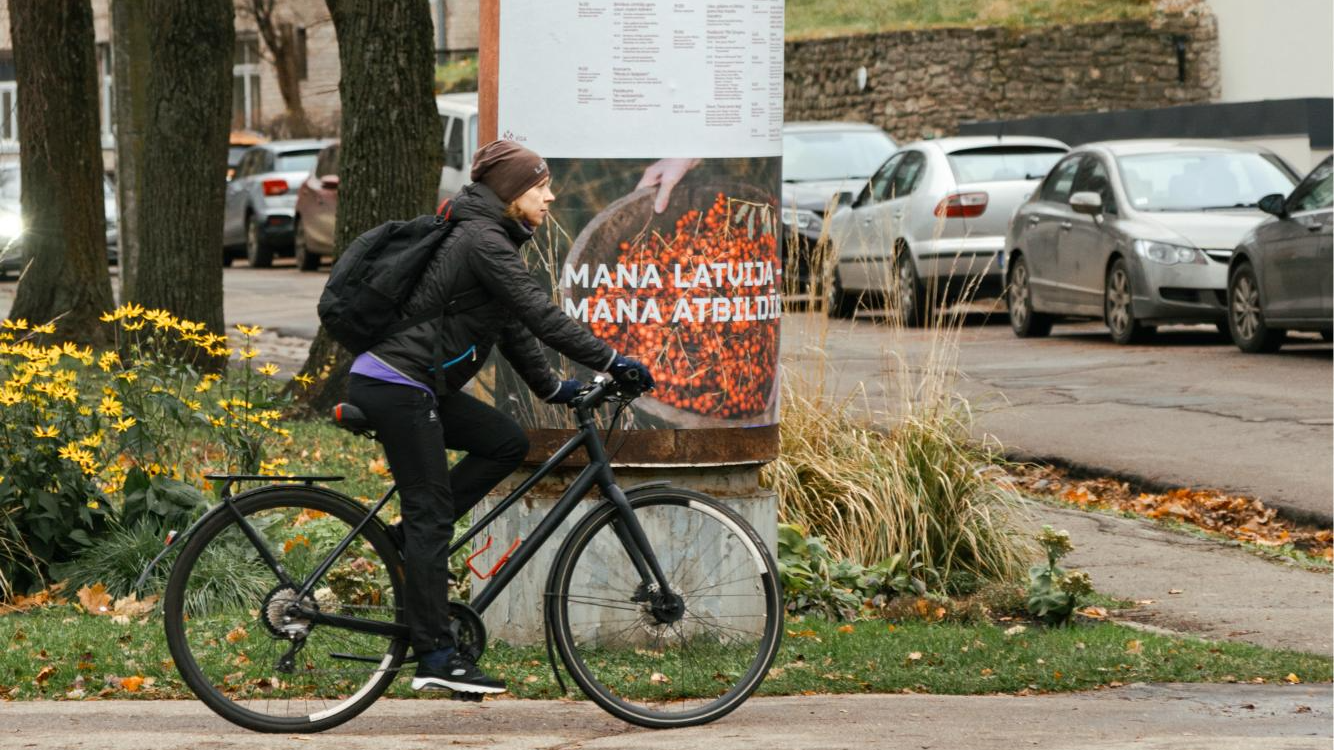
{"x": 930, "y": 224}
{"x": 1138, "y": 233}
{"x": 12, "y": 231}
{"x": 261, "y": 200}
{"x": 1281, "y": 275}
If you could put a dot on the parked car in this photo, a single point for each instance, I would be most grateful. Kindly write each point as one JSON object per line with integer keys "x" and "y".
{"x": 12, "y": 255}
{"x": 1138, "y": 233}
{"x": 317, "y": 210}
{"x": 239, "y": 142}
{"x": 929, "y": 226}
{"x": 1280, "y": 277}
{"x": 458, "y": 116}
{"x": 824, "y": 165}
{"x": 261, "y": 200}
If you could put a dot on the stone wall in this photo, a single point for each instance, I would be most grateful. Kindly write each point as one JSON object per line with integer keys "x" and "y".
{"x": 924, "y": 83}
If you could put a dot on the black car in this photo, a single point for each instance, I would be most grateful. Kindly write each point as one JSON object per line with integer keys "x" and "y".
{"x": 1280, "y": 277}
{"x": 824, "y": 163}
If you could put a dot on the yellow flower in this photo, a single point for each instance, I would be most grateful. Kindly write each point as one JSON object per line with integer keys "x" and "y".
{"x": 212, "y": 377}
{"x": 108, "y": 360}
{"x": 134, "y": 326}
{"x": 85, "y": 411}
{"x": 93, "y": 504}
{"x": 217, "y": 421}
{"x": 110, "y": 407}
{"x": 92, "y": 441}
{"x": 268, "y": 370}
{"x": 10, "y": 397}
{"x": 220, "y": 351}
{"x": 45, "y": 432}
{"x": 48, "y": 328}
{"x": 90, "y": 468}
{"x": 124, "y": 424}
{"x": 305, "y": 380}
{"x": 130, "y": 310}
{"x": 109, "y": 317}
{"x": 19, "y": 325}
{"x": 203, "y": 386}
{"x": 160, "y": 318}
{"x": 249, "y": 353}
{"x": 129, "y": 376}
{"x": 249, "y": 330}
{"x": 192, "y": 405}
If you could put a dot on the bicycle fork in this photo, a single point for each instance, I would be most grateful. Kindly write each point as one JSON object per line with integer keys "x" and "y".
{"x": 654, "y": 588}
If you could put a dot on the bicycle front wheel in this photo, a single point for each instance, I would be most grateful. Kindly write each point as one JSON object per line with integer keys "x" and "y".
{"x": 231, "y": 626}
{"x": 667, "y": 659}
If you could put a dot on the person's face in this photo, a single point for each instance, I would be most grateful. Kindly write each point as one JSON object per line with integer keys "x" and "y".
{"x": 533, "y": 205}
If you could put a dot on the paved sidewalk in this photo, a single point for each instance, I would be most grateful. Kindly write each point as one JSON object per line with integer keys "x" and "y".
{"x": 1163, "y": 717}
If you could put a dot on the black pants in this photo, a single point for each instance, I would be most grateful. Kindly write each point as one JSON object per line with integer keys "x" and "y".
{"x": 415, "y": 431}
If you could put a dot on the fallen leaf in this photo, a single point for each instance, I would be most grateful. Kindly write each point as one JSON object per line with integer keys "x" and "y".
{"x": 915, "y": 656}
{"x": 237, "y": 634}
{"x": 378, "y": 468}
{"x": 1292, "y": 679}
{"x": 1134, "y": 647}
{"x": 95, "y": 599}
{"x": 659, "y": 678}
{"x": 1174, "y": 591}
{"x": 986, "y": 671}
{"x": 132, "y": 684}
{"x": 1094, "y": 613}
{"x": 133, "y": 606}
{"x": 44, "y": 674}
{"x": 1015, "y": 630}
{"x": 530, "y": 679}
{"x": 845, "y": 628}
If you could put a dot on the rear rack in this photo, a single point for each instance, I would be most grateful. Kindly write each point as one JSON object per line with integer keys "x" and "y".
{"x": 230, "y": 479}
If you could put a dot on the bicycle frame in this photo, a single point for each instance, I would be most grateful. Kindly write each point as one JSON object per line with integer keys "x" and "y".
{"x": 597, "y": 473}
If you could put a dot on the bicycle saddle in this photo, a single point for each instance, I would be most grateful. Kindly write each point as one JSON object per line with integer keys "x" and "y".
{"x": 351, "y": 418}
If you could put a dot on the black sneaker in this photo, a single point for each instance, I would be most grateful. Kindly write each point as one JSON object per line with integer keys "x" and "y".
{"x": 459, "y": 675}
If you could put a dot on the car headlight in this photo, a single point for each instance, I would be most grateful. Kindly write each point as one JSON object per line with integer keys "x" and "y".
{"x": 1168, "y": 255}
{"x": 800, "y": 218}
{"x": 11, "y": 225}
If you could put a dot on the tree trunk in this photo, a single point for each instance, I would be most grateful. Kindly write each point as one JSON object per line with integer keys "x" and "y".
{"x": 61, "y": 166}
{"x": 188, "y": 92}
{"x": 130, "y": 52}
{"x": 392, "y": 147}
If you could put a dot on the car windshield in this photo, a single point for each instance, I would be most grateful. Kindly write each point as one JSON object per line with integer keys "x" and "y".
{"x": 234, "y": 154}
{"x": 1199, "y": 181}
{"x": 834, "y": 155}
{"x": 9, "y": 184}
{"x": 296, "y": 161}
{"x": 995, "y": 163}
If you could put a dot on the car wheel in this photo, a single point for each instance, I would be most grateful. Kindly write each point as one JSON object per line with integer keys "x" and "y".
{"x": 842, "y": 305}
{"x": 1245, "y": 318}
{"x": 1118, "y": 307}
{"x": 305, "y": 259}
{"x": 1224, "y": 331}
{"x": 257, "y": 253}
{"x": 1327, "y": 335}
{"x": 908, "y": 290}
{"x": 1024, "y": 321}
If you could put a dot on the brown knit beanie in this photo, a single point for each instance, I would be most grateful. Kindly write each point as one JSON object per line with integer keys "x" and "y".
{"x": 508, "y": 169}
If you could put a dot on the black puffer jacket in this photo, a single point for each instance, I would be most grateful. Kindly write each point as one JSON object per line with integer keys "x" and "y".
{"x": 480, "y": 260}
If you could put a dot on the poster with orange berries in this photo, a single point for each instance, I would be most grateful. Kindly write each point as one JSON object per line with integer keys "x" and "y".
{"x": 661, "y": 124}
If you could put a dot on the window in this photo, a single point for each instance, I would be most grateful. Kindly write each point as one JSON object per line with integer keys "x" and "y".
{"x": 106, "y": 90}
{"x": 1093, "y": 178}
{"x": 454, "y": 144}
{"x": 245, "y": 83}
{"x": 907, "y": 175}
{"x": 9, "y": 94}
{"x": 295, "y": 161}
{"x": 1191, "y": 180}
{"x": 879, "y": 187}
{"x": 328, "y": 162}
{"x": 1316, "y": 191}
{"x": 834, "y": 155}
{"x": 1057, "y": 187}
{"x": 995, "y": 163}
{"x": 302, "y": 69}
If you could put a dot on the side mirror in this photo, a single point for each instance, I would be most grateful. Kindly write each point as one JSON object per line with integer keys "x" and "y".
{"x": 1086, "y": 202}
{"x": 329, "y": 182}
{"x": 1274, "y": 204}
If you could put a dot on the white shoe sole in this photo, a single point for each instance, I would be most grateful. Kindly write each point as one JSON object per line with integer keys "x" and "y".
{"x": 436, "y": 683}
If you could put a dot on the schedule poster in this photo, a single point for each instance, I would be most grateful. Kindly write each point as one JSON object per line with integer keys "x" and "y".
{"x": 661, "y": 121}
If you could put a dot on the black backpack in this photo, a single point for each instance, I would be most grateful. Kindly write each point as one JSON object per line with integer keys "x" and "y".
{"x": 360, "y": 305}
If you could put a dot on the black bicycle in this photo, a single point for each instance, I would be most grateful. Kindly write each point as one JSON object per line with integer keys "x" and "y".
{"x": 283, "y": 609}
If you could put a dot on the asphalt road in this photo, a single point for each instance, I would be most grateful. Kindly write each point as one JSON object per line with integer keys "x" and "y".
{"x": 1187, "y": 410}
{"x": 1161, "y": 717}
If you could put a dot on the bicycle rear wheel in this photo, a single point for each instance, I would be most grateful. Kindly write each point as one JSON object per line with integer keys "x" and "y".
{"x": 234, "y": 640}
{"x": 663, "y": 661}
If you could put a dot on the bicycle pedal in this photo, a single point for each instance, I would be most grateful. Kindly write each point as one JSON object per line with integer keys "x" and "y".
{"x": 467, "y": 697}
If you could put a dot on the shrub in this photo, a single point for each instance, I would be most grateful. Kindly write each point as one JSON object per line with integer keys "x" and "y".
{"x": 815, "y": 582}
{"x": 1053, "y": 593}
{"x": 87, "y": 449}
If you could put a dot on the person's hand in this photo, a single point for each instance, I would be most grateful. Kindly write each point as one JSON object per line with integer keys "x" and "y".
{"x": 622, "y": 367}
{"x": 566, "y": 392}
{"x": 665, "y": 173}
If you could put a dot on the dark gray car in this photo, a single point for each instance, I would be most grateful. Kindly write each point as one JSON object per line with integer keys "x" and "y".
{"x": 1281, "y": 274}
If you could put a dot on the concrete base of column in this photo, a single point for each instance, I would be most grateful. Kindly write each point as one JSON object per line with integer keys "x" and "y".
{"x": 516, "y": 616}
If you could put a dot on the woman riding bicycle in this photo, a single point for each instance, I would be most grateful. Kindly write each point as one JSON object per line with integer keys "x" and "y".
{"x": 409, "y": 386}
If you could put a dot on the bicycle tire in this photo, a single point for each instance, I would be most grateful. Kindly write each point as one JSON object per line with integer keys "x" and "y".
{"x": 668, "y": 515}
{"x": 187, "y": 635}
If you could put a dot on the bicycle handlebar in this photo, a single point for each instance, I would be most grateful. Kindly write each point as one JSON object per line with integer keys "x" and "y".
{"x": 597, "y": 392}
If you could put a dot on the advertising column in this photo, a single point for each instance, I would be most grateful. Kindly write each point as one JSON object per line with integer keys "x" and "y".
{"x": 661, "y": 121}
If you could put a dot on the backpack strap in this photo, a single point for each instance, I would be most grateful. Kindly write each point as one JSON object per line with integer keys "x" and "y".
{"x": 459, "y": 303}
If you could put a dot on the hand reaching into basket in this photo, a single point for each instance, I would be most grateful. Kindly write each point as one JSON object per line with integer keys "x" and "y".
{"x": 665, "y": 173}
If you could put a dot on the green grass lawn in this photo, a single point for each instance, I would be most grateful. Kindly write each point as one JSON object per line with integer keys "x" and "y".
{"x": 43, "y": 654}
{"x": 820, "y": 18}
